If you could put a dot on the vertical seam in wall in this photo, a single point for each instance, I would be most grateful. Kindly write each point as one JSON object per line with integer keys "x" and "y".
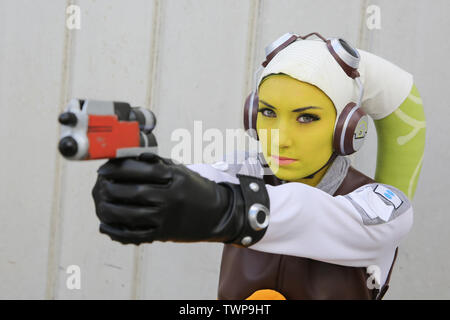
{"x": 154, "y": 54}
{"x": 136, "y": 289}
{"x": 252, "y": 27}
{"x": 362, "y": 26}
{"x": 54, "y": 244}
{"x": 139, "y": 252}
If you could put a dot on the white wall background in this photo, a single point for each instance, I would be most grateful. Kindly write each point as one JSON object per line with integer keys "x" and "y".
{"x": 187, "y": 60}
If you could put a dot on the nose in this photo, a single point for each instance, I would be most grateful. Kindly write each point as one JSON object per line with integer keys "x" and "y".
{"x": 284, "y": 137}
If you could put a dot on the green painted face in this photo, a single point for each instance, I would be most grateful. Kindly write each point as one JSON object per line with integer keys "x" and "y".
{"x": 304, "y": 117}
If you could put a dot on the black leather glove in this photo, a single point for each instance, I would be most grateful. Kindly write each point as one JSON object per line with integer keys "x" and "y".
{"x": 148, "y": 198}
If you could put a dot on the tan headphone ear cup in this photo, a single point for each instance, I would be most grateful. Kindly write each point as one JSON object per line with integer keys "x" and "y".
{"x": 350, "y": 131}
{"x": 251, "y": 114}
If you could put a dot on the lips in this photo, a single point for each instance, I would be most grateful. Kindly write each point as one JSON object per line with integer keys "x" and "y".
{"x": 283, "y": 160}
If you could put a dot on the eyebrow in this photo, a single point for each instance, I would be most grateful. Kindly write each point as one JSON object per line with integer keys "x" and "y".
{"x": 295, "y": 110}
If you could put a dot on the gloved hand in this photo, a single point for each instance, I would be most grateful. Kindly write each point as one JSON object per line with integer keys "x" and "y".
{"x": 150, "y": 198}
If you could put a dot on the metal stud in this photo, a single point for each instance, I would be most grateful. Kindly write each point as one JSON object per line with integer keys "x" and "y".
{"x": 254, "y": 186}
{"x": 246, "y": 241}
{"x": 253, "y": 212}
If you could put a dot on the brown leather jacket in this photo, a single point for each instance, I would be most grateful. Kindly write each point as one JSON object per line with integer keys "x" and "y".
{"x": 244, "y": 271}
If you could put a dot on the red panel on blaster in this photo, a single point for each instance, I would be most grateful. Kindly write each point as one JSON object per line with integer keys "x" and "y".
{"x": 106, "y": 134}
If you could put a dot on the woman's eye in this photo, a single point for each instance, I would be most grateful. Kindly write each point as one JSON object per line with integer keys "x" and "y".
{"x": 268, "y": 113}
{"x": 306, "y": 118}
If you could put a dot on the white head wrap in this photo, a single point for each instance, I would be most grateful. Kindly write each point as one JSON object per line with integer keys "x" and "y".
{"x": 310, "y": 61}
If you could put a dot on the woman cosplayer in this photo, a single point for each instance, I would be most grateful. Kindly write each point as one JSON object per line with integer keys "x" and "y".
{"x": 298, "y": 222}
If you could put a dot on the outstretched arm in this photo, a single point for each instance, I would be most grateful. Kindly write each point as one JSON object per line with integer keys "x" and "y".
{"x": 353, "y": 230}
